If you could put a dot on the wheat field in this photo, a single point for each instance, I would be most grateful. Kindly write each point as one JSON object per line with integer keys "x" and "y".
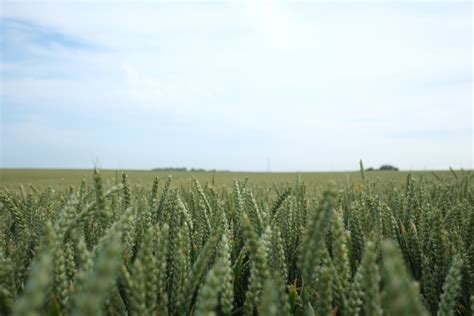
{"x": 63, "y": 178}
{"x": 359, "y": 245}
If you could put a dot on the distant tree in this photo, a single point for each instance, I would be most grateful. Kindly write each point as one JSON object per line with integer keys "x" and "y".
{"x": 388, "y": 168}
{"x": 197, "y": 170}
{"x": 370, "y": 169}
{"x": 173, "y": 169}
{"x": 170, "y": 169}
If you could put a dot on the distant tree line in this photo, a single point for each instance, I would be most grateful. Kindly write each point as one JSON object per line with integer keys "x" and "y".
{"x": 383, "y": 168}
{"x": 186, "y": 169}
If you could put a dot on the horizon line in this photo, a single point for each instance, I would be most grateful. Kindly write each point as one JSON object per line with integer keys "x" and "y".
{"x": 202, "y": 170}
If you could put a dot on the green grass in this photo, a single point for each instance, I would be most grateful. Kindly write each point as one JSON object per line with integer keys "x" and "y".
{"x": 57, "y": 178}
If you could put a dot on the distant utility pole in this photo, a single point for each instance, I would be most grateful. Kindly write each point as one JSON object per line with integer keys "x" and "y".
{"x": 268, "y": 165}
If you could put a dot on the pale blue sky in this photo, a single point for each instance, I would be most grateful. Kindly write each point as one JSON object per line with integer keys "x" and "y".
{"x": 228, "y": 85}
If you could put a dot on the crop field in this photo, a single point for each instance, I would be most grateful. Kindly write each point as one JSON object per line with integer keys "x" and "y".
{"x": 142, "y": 243}
{"x": 56, "y": 178}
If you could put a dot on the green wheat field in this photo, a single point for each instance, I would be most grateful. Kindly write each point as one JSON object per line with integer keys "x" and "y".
{"x": 85, "y": 242}
{"x": 57, "y": 178}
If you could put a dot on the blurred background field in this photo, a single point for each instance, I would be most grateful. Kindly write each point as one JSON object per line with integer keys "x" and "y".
{"x": 13, "y": 178}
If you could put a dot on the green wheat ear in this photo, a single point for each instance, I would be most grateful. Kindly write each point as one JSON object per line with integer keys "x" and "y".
{"x": 325, "y": 292}
{"x": 362, "y": 170}
{"x": 126, "y": 191}
{"x": 208, "y": 295}
{"x": 401, "y": 295}
{"x": 270, "y": 299}
{"x": 451, "y": 288}
{"x": 227, "y": 280}
{"x": 96, "y": 282}
{"x": 39, "y": 281}
{"x": 259, "y": 271}
{"x": 314, "y": 237}
{"x": 7, "y": 286}
{"x": 371, "y": 281}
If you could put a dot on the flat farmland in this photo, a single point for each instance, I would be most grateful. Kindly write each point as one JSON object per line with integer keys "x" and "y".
{"x": 57, "y": 178}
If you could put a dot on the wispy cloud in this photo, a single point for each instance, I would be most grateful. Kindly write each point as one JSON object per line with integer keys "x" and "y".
{"x": 38, "y": 40}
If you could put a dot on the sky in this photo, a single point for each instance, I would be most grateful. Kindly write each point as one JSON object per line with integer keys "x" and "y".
{"x": 239, "y": 85}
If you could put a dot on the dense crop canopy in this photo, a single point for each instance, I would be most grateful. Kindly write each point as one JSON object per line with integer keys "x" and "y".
{"x": 374, "y": 248}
